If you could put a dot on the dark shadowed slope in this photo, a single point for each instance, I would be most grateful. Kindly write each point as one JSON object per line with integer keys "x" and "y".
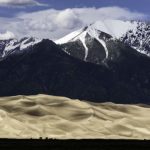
{"x": 46, "y": 69}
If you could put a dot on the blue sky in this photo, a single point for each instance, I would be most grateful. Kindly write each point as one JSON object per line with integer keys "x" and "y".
{"x": 134, "y": 5}
{"x": 56, "y": 18}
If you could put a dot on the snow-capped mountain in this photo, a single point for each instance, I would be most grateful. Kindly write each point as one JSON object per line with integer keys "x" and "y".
{"x": 9, "y": 45}
{"x": 96, "y": 39}
{"x": 122, "y": 76}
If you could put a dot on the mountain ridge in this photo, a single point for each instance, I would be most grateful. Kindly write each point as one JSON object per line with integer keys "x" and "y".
{"x": 46, "y": 69}
{"x": 135, "y": 34}
{"x": 13, "y": 45}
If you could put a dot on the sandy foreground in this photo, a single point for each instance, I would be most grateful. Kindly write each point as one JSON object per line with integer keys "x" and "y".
{"x": 63, "y": 118}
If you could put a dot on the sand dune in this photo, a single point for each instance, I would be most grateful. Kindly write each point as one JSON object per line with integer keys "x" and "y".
{"x": 63, "y": 118}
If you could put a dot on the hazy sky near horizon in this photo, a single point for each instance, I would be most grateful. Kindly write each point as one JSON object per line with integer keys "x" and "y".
{"x": 55, "y": 18}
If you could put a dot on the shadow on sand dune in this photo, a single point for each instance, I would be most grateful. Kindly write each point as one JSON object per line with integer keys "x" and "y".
{"x": 62, "y": 118}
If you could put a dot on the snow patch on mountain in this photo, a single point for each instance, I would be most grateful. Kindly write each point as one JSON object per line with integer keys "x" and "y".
{"x": 14, "y": 44}
{"x": 69, "y": 37}
{"x": 94, "y": 33}
{"x": 83, "y": 40}
{"x": 29, "y": 42}
{"x": 139, "y": 40}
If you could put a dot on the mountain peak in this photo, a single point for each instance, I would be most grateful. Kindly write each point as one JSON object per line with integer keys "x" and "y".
{"x": 135, "y": 34}
{"x": 115, "y": 28}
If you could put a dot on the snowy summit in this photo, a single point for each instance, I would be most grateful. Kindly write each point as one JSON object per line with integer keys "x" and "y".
{"x": 133, "y": 33}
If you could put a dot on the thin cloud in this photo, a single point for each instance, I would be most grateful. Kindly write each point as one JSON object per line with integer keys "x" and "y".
{"x": 7, "y": 35}
{"x": 20, "y": 3}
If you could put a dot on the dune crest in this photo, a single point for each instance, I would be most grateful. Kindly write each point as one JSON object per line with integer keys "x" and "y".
{"x": 63, "y": 118}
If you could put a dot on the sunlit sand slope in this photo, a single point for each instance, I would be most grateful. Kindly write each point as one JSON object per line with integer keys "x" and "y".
{"x": 63, "y": 118}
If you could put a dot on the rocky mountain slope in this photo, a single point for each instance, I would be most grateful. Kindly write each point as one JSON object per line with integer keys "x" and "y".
{"x": 11, "y": 45}
{"x": 45, "y": 69}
